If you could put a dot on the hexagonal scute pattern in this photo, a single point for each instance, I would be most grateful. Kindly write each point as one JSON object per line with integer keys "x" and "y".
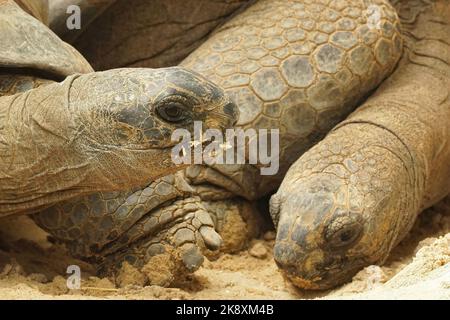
{"x": 302, "y": 64}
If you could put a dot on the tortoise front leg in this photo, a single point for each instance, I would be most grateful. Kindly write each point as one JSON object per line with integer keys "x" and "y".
{"x": 164, "y": 229}
{"x": 137, "y": 227}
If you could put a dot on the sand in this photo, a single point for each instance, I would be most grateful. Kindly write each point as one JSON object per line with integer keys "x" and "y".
{"x": 31, "y": 267}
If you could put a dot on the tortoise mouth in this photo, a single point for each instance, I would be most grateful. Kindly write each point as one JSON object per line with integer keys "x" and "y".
{"x": 168, "y": 144}
{"x": 325, "y": 280}
{"x": 308, "y": 272}
{"x": 319, "y": 282}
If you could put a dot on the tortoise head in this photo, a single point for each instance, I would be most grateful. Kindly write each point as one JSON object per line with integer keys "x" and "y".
{"x": 126, "y": 118}
{"x": 140, "y": 108}
{"x": 328, "y": 229}
{"x": 344, "y": 204}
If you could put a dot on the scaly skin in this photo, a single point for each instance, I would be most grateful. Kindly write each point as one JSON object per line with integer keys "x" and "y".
{"x": 286, "y": 71}
{"x": 350, "y": 199}
{"x": 101, "y": 131}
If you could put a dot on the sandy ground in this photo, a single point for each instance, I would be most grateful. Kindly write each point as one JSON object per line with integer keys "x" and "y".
{"x": 419, "y": 268}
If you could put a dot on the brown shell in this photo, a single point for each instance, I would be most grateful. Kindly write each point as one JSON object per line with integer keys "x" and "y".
{"x": 28, "y": 44}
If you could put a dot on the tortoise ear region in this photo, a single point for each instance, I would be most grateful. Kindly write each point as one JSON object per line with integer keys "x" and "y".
{"x": 274, "y": 208}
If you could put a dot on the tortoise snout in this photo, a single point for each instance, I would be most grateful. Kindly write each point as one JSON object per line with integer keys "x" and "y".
{"x": 303, "y": 269}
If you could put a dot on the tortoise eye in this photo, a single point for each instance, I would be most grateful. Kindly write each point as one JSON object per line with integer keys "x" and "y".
{"x": 345, "y": 236}
{"x": 172, "y": 112}
{"x": 343, "y": 232}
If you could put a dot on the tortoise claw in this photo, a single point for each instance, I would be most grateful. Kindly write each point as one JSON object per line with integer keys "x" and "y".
{"x": 192, "y": 257}
{"x": 211, "y": 238}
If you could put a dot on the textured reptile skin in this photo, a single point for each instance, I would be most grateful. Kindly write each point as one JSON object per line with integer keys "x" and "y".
{"x": 297, "y": 66}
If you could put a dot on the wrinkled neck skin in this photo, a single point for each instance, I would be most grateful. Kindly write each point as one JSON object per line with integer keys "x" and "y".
{"x": 421, "y": 87}
{"x": 427, "y": 37}
{"x": 54, "y": 146}
{"x": 413, "y": 106}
